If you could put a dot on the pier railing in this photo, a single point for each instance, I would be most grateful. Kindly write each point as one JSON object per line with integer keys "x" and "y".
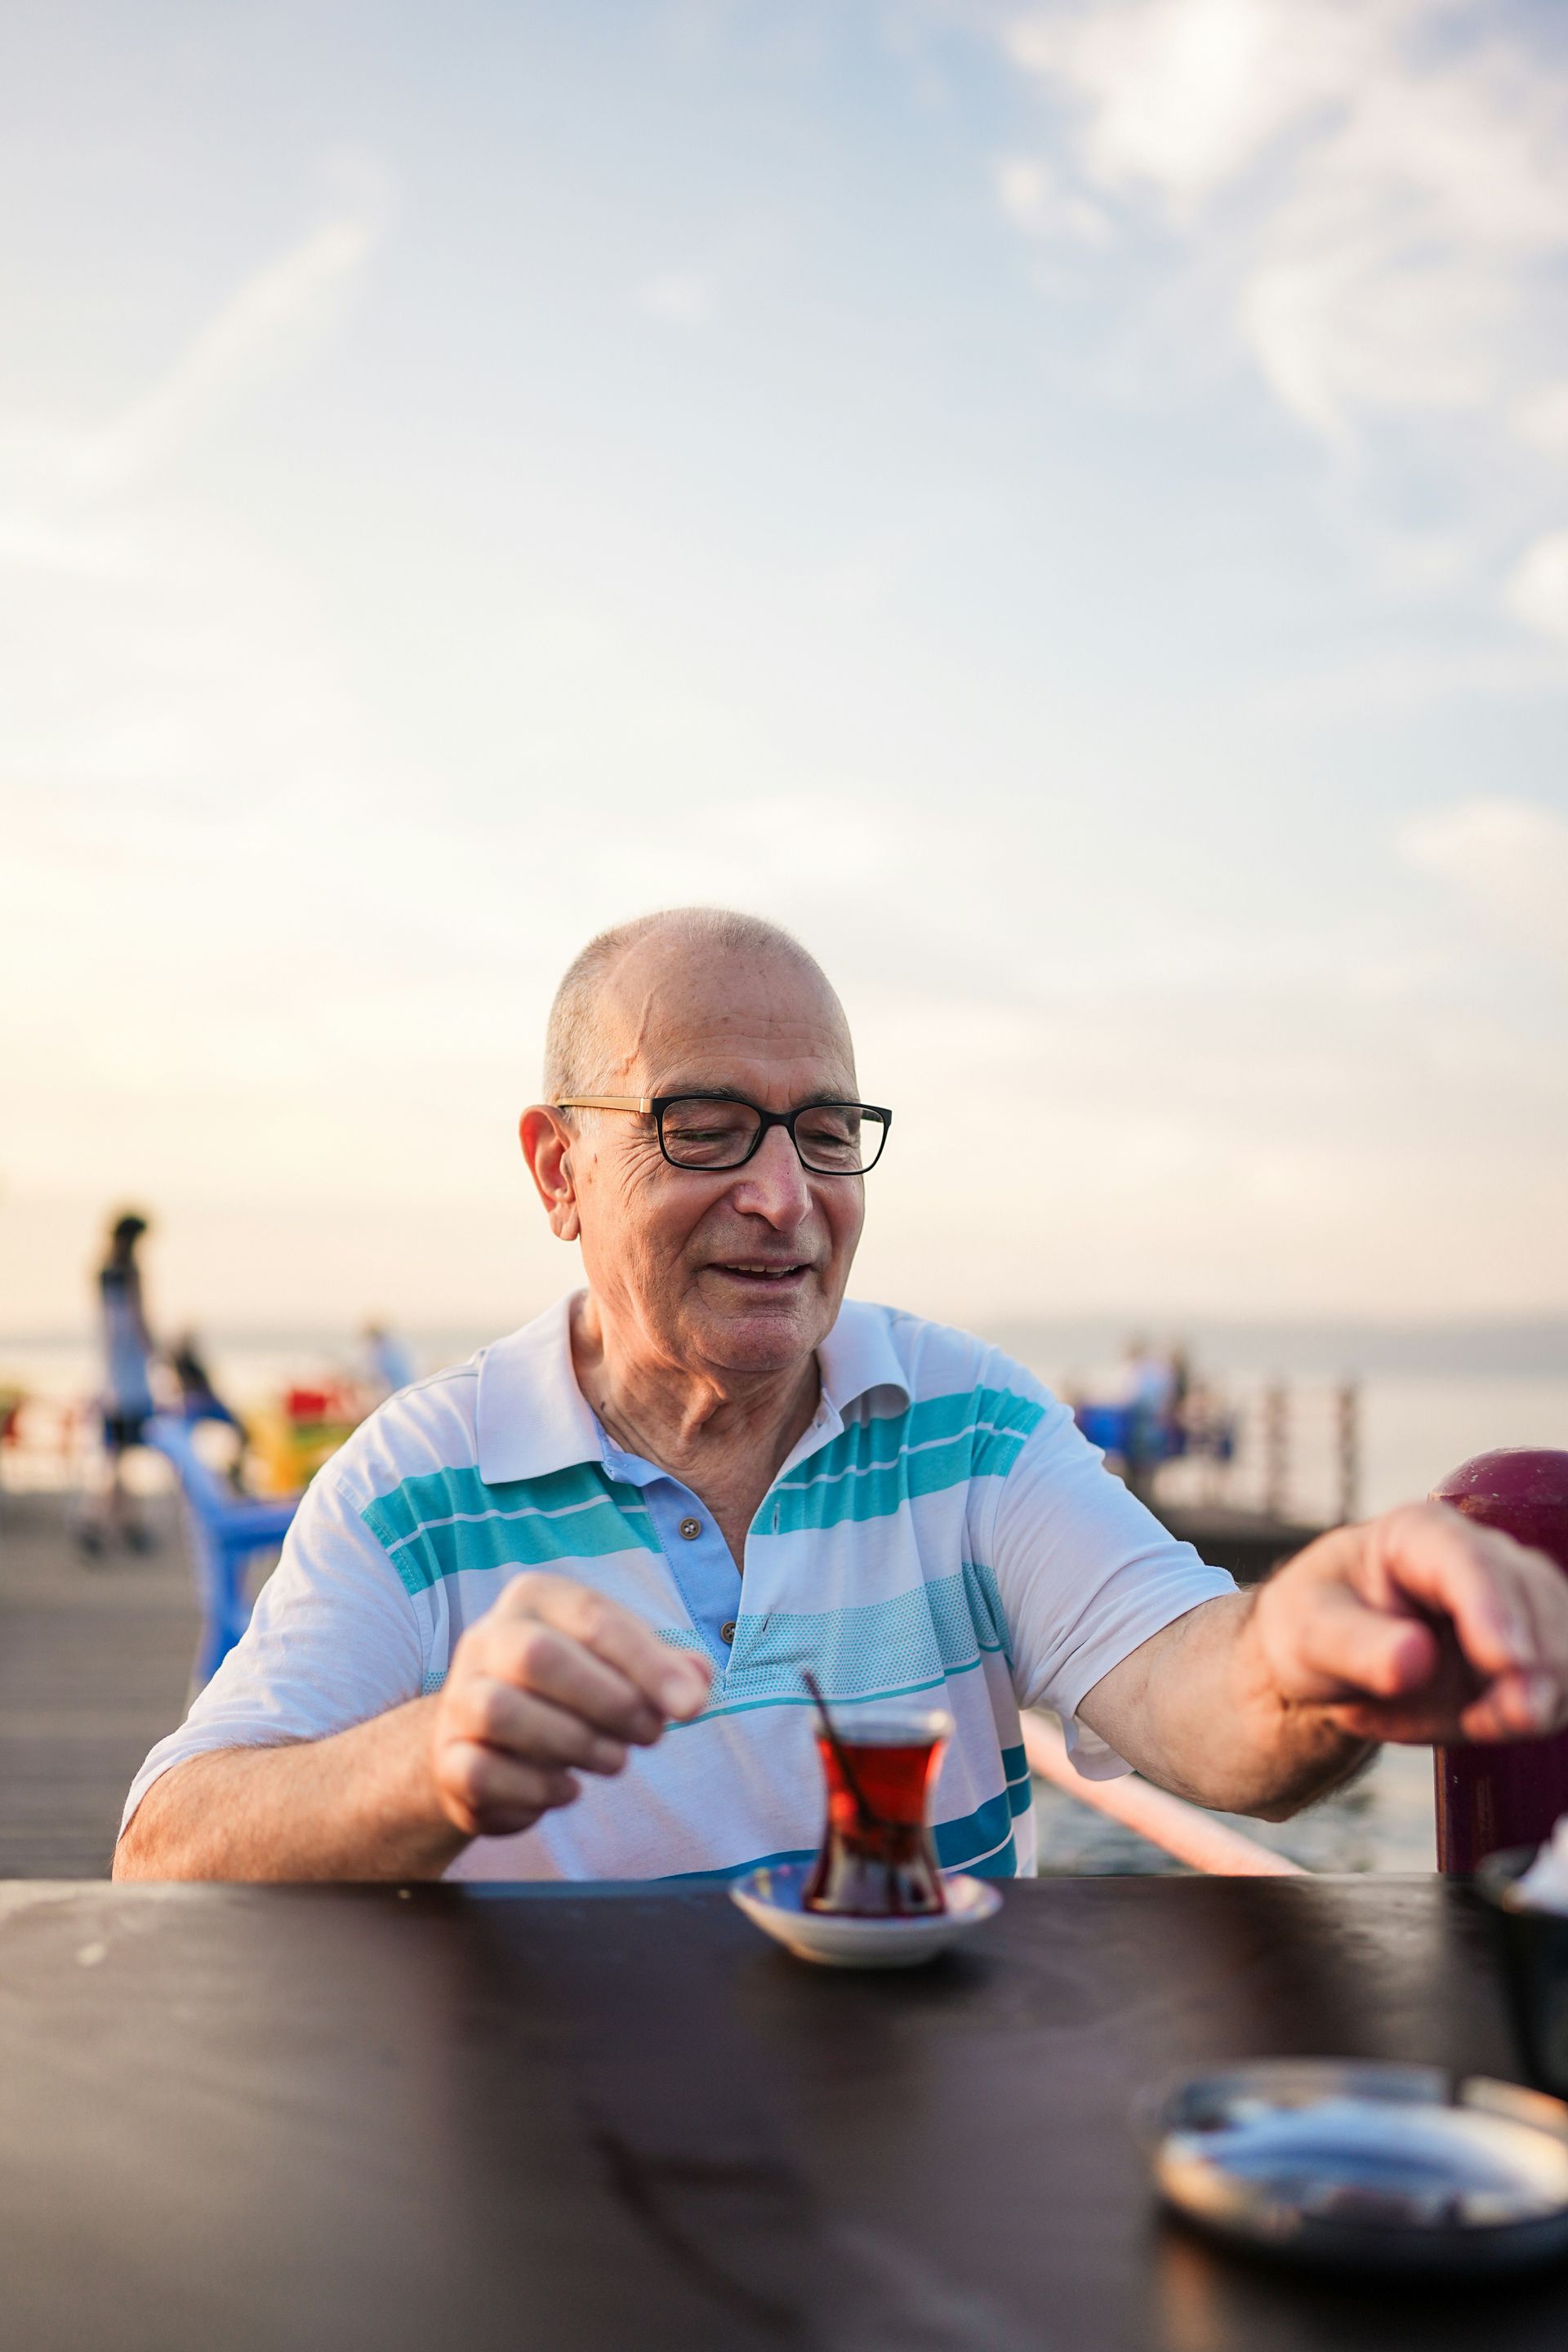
{"x": 1185, "y": 1831}
{"x": 1297, "y": 1454}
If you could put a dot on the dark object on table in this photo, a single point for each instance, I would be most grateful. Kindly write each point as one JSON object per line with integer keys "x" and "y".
{"x": 1535, "y": 1957}
{"x": 1492, "y": 1796}
{"x": 1368, "y": 2168}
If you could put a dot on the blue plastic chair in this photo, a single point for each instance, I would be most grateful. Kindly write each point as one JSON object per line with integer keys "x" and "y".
{"x": 1109, "y": 1426}
{"x": 226, "y": 1533}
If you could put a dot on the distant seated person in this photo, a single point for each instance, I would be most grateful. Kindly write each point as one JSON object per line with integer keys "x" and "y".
{"x": 1147, "y": 1380}
{"x": 549, "y": 1614}
{"x": 199, "y": 1398}
{"x": 391, "y": 1365}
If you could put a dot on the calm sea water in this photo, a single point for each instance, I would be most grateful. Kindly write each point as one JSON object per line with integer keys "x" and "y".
{"x": 1385, "y": 1822}
{"x": 1413, "y": 1427}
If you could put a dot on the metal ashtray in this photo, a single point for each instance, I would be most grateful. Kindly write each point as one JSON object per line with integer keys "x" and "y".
{"x": 1534, "y": 1946}
{"x": 1364, "y": 2167}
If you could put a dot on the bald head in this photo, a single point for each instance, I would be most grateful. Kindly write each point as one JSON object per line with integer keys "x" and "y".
{"x": 732, "y": 1271}
{"x": 616, "y": 989}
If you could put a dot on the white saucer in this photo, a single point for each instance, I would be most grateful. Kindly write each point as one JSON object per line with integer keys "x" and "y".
{"x": 770, "y": 1898}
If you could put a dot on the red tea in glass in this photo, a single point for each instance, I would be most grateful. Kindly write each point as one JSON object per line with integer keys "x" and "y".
{"x": 878, "y": 1859}
{"x": 1492, "y": 1796}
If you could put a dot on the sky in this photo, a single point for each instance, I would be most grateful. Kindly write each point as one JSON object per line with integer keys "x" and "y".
{"x": 1066, "y": 506}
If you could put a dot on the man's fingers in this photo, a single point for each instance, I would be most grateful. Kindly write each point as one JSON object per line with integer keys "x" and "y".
{"x": 1342, "y": 1646}
{"x": 1515, "y": 1707}
{"x": 488, "y": 1794}
{"x": 675, "y": 1682}
{"x": 1421, "y": 1626}
{"x": 1482, "y": 1581}
{"x": 533, "y": 1656}
{"x": 556, "y": 1679}
{"x": 1543, "y": 1592}
{"x": 519, "y": 1724}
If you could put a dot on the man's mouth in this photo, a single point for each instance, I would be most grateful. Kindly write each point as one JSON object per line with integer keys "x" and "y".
{"x": 766, "y": 1275}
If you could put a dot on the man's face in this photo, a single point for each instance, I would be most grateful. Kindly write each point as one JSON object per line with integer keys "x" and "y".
{"x": 740, "y": 1269}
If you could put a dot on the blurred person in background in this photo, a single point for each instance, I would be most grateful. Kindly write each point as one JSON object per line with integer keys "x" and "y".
{"x": 391, "y": 1366}
{"x": 199, "y": 1398}
{"x": 126, "y": 1398}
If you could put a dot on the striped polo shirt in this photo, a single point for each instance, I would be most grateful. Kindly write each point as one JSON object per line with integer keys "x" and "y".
{"x": 941, "y": 1531}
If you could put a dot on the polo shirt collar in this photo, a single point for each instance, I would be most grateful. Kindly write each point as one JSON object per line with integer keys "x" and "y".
{"x": 858, "y": 1356}
{"x": 531, "y": 1418}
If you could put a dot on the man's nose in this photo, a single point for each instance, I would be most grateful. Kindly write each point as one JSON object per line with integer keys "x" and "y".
{"x": 773, "y": 1182}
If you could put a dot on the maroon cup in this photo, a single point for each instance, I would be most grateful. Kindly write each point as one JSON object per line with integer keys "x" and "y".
{"x": 1492, "y": 1795}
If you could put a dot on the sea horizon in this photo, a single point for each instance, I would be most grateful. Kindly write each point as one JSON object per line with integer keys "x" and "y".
{"x": 1323, "y": 1348}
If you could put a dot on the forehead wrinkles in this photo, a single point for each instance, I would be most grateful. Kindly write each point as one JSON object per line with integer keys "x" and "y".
{"x": 643, "y": 1022}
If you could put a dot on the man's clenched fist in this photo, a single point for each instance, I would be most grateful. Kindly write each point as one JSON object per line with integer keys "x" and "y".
{"x": 553, "y": 1681}
{"x": 1419, "y": 1626}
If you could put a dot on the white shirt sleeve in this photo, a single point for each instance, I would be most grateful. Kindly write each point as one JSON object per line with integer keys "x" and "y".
{"x": 333, "y": 1641}
{"x": 1086, "y": 1574}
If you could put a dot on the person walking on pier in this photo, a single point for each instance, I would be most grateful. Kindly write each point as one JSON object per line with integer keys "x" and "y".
{"x": 126, "y": 1399}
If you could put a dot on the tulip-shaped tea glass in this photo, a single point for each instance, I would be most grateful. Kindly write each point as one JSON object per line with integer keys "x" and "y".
{"x": 878, "y": 1859}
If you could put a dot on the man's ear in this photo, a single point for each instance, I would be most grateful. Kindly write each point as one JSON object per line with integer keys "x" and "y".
{"x": 547, "y": 1145}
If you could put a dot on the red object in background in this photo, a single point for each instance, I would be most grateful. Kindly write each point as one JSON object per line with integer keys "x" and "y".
{"x": 1489, "y": 1797}
{"x": 306, "y": 1404}
{"x": 878, "y": 1859}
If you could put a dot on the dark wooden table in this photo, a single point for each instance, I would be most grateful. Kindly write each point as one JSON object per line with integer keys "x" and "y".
{"x": 307, "y": 2119}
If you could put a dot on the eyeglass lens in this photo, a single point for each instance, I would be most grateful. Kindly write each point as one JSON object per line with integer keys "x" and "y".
{"x": 833, "y": 1139}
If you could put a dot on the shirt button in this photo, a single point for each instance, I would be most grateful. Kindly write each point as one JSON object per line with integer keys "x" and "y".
{"x": 727, "y": 1633}
{"x": 691, "y": 1530}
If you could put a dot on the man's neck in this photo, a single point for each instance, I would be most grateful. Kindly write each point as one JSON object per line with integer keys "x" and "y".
{"x": 712, "y": 1430}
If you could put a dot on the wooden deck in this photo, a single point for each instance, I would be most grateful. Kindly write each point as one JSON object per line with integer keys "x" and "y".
{"x": 94, "y": 1662}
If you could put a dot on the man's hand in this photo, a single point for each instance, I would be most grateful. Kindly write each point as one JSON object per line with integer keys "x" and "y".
{"x": 555, "y": 1680}
{"x": 1418, "y": 1626}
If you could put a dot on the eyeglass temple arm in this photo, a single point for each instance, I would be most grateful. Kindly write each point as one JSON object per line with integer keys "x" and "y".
{"x": 643, "y": 1103}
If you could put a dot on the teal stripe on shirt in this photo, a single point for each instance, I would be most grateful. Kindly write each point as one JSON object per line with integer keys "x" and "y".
{"x": 940, "y": 1627}
{"x": 738, "y": 1869}
{"x": 1020, "y": 1785}
{"x": 449, "y": 1522}
{"x": 982, "y": 1842}
{"x": 874, "y": 1466}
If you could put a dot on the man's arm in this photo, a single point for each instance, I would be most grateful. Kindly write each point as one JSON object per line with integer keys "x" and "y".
{"x": 1418, "y": 1626}
{"x": 361, "y": 1804}
{"x": 555, "y": 1680}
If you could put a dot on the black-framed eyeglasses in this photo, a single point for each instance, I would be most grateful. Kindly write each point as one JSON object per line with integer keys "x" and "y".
{"x": 713, "y": 1132}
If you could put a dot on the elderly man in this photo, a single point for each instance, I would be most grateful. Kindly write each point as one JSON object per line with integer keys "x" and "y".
{"x": 547, "y": 1615}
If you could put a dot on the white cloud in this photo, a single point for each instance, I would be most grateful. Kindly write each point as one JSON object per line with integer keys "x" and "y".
{"x": 196, "y": 662}
{"x": 1509, "y": 857}
{"x": 1538, "y": 590}
{"x": 1033, "y": 195}
{"x": 262, "y": 327}
{"x": 1180, "y": 95}
{"x": 681, "y": 298}
{"x": 1397, "y": 200}
{"x": 1368, "y": 197}
{"x": 1542, "y": 418}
